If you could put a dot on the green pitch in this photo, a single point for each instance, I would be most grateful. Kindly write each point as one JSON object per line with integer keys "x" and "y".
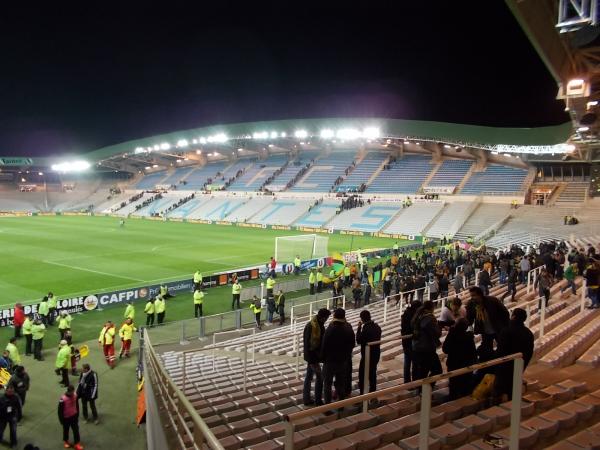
{"x": 78, "y": 255}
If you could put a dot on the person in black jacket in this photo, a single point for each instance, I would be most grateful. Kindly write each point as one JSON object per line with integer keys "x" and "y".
{"x": 459, "y": 345}
{"x": 516, "y": 338}
{"x": 368, "y": 331}
{"x": 87, "y": 391}
{"x": 444, "y": 285}
{"x": 10, "y": 414}
{"x": 426, "y": 339}
{"x": 313, "y": 339}
{"x": 512, "y": 280}
{"x": 20, "y": 383}
{"x": 489, "y": 317}
{"x": 406, "y": 329}
{"x": 336, "y": 351}
{"x": 485, "y": 282}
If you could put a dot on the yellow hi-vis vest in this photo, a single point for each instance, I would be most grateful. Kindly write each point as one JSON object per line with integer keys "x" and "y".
{"x": 64, "y": 322}
{"x": 126, "y": 331}
{"x": 107, "y": 335}
{"x": 198, "y": 277}
{"x": 270, "y": 283}
{"x": 129, "y": 312}
{"x": 159, "y": 306}
{"x": 149, "y": 309}
{"x": 297, "y": 262}
{"x": 236, "y": 288}
{"x": 319, "y": 276}
{"x": 198, "y": 296}
{"x": 255, "y": 309}
{"x": 312, "y": 278}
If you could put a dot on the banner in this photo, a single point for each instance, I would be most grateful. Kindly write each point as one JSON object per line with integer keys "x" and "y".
{"x": 439, "y": 189}
{"x": 12, "y": 161}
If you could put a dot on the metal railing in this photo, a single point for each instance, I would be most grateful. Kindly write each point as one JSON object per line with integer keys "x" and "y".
{"x": 425, "y": 385}
{"x": 177, "y": 405}
{"x": 530, "y": 277}
{"x": 315, "y": 302}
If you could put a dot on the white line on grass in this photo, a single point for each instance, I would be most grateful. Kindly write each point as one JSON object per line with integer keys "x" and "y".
{"x": 94, "y": 271}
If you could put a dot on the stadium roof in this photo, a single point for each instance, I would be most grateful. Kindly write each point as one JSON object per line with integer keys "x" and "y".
{"x": 467, "y": 135}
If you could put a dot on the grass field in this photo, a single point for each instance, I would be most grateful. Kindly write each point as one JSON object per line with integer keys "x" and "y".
{"x": 79, "y": 255}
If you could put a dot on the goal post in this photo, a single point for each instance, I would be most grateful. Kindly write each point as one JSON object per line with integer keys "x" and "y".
{"x": 306, "y": 246}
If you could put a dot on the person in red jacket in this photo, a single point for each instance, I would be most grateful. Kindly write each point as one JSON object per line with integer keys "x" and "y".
{"x": 18, "y": 319}
{"x": 68, "y": 416}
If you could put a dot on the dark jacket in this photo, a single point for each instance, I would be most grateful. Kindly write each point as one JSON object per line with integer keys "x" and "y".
{"x": 20, "y": 384}
{"x": 406, "y": 325}
{"x": 369, "y": 332}
{"x": 516, "y": 338}
{"x": 88, "y": 385}
{"x": 444, "y": 284}
{"x": 460, "y": 348}
{"x": 338, "y": 342}
{"x": 497, "y": 313}
{"x": 10, "y": 408}
{"x": 484, "y": 278}
{"x": 426, "y": 332}
{"x": 312, "y": 354}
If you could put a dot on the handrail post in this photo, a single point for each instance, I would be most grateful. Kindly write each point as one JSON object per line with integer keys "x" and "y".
{"x": 385, "y": 306}
{"x": 542, "y": 316}
{"x": 344, "y": 301}
{"x": 214, "y": 352}
{"x": 310, "y": 309}
{"x": 289, "y": 435}
{"x": 425, "y": 414}
{"x": 515, "y": 409}
{"x": 583, "y": 295}
{"x": 297, "y": 344}
{"x": 253, "y": 345}
{"x": 366, "y": 376}
{"x": 528, "y": 320}
{"x": 184, "y": 371}
{"x": 245, "y": 366}
{"x": 292, "y": 318}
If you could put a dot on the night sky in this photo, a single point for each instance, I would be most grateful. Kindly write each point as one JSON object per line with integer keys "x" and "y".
{"x": 76, "y": 80}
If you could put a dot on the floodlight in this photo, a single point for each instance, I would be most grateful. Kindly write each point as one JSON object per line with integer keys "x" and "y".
{"x": 165, "y": 146}
{"x": 182, "y": 143}
{"x": 371, "y": 133}
{"x": 139, "y": 150}
{"x": 283, "y": 134}
{"x": 203, "y": 140}
{"x": 327, "y": 134}
{"x": 260, "y": 135}
{"x": 157, "y": 147}
{"x": 240, "y": 149}
{"x": 178, "y": 160}
{"x": 154, "y": 166}
{"x": 271, "y": 146}
{"x": 217, "y": 138}
{"x": 194, "y": 141}
{"x": 147, "y": 167}
{"x": 273, "y": 134}
{"x": 40, "y": 173}
{"x": 348, "y": 134}
{"x": 583, "y": 129}
{"x": 447, "y": 146}
{"x": 300, "y": 134}
{"x": 198, "y": 152}
{"x": 23, "y": 180}
{"x": 72, "y": 166}
{"x": 406, "y": 142}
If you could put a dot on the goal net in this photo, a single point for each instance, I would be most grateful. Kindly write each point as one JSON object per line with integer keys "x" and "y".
{"x": 307, "y": 246}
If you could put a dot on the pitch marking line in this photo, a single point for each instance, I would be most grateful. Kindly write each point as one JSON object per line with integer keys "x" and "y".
{"x": 94, "y": 271}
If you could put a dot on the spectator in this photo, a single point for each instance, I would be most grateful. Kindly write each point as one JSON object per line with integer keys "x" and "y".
{"x": 592, "y": 277}
{"x": 524, "y": 267}
{"x": 10, "y": 414}
{"x": 20, "y": 383}
{"x": 426, "y": 339}
{"x": 484, "y": 281}
{"x": 280, "y": 306}
{"x": 443, "y": 284}
{"x": 13, "y": 351}
{"x": 516, "y": 338}
{"x": 543, "y": 282}
{"x": 63, "y": 358}
{"x": 459, "y": 282}
{"x": 27, "y": 325}
{"x": 570, "y": 273}
{"x": 313, "y": 339}
{"x": 368, "y": 331}
{"x": 338, "y": 343}
{"x": 452, "y": 312}
{"x": 87, "y": 391}
{"x": 6, "y": 362}
{"x": 511, "y": 280}
{"x": 489, "y": 317}
{"x": 406, "y": 329}
{"x": 68, "y": 416}
{"x": 459, "y": 345}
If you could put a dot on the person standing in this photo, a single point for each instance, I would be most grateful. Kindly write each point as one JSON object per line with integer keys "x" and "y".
{"x": 160, "y": 308}
{"x": 27, "y": 324}
{"x": 13, "y": 351}
{"x": 312, "y": 339}
{"x": 485, "y": 281}
{"x": 256, "y": 307}
{"x": 197, "y": 279}
{"x": 459, "y": 345}
{"x": 312, "y": 280}
{"x": 38, "y": 330}
{"x": 515, "y": 338}
{"x": 338, "y": 342}
{"x": 18, "y": 319}
{"x": 426, "y": 339}
{"x": 43, "y": 310}
{"x": 511, "y": 282}
{"x": 68, "y": 416}
{"x": 459, "y": 282}
{"x": 149, "y": 310}
{"x": 524, "y": 268}
{"x": 272, "y": 267}
{"x": 198, "y": 299}
{"x": 543, "y": 282}
{"x": 126, "y": 334}
{"x": 107, "y": 343}
{"x": 270, "y": 285}
{"x": 52, "y": 302}
{"x": 10, "y": 414}
{"x": 87, "y": 391}
{"x": 63, "y": 358}
{"x": 164, "y": 291}
{"x": 280, "y": 305}
{"x": 368, "y": 331}
{"x": 319, "y": 281}
{"x": 406, "y": 330}
{"x": 236, "y": 291}
{"x": 489, "y": 317}
{"x": 592, "y": 277}
{"x": 64, "y": 324}
{"x": 20, "y": 383}
{"x": 570, "y": 273}
{"x": 129, "y": 311}
{"x": 297, "y": 265}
